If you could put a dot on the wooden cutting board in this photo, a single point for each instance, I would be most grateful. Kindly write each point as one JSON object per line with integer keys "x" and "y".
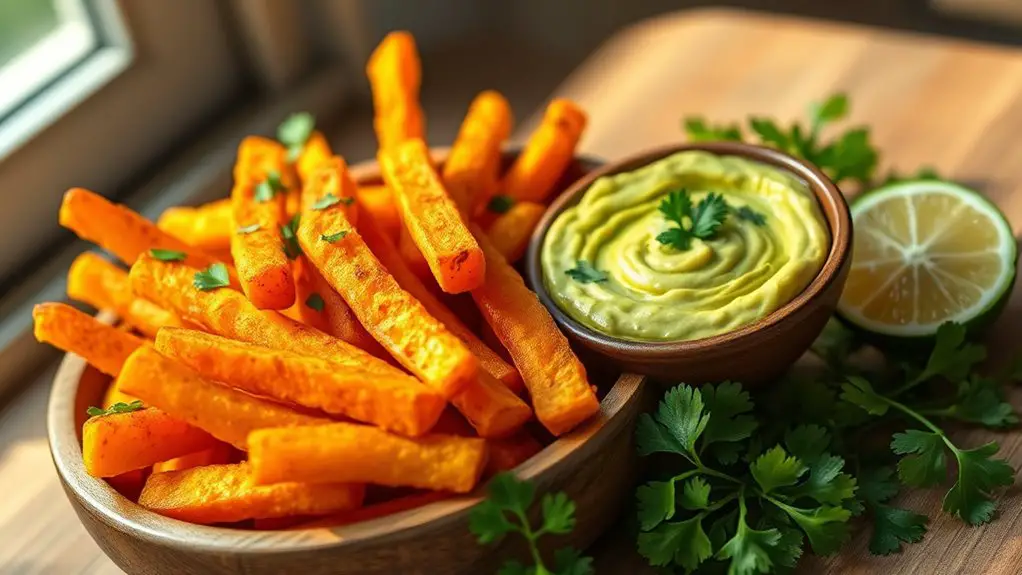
{"x": 929, "y": 101}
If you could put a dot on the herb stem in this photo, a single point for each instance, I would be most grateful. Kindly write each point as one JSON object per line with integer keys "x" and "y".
{"x": 923, "y": 420}
{"x": 531, "y": 536}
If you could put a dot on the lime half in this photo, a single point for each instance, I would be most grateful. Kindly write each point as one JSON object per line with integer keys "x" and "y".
{"x": 926, "y": 252}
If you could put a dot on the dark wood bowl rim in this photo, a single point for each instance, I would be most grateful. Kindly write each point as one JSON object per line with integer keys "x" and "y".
{"x": 107, "y": 505}
{"x": 832, "y": 203}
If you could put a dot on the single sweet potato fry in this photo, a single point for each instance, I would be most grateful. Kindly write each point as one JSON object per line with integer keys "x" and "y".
{"x": 385, "y": 251}
{"x": 399, "y": 403}
{"x": 121, "y": 442}
{"x": 228, "y": 313}
{"x": 556, "y": 379}
{"x": 320, "y": 191}
{"x": 101, "y": 284}
{"x": 381, "y": 205}
{"x": 216, "y": 455}
{"x": 351, "y": 453}
{"x": 119, "y": 230}
{"x": 472, "y": 169}
{"x": 315, "y": 152}
{"x": 264, "y": 269}
{"x": 225, "y": 413}
{"x": 396, "y": 319}
{"x": 225, "y": 494}
{"x": 508, "y": 453}
{"x": 548, "y": 152}
{"x": 432, "y": 218}
{"x": 206, "y": 227}
{"x": 103, "y": 346}
{"x": 491, "y": 408}
{"x": 395, "y": 73}
{"x": 510, "y": 232}
{"x": 376, "y": 510}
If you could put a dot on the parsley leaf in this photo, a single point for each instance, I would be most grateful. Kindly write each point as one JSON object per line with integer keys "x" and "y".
{"x": 500, "y": 204}
{"x": 858, "y": 391}
{"x": 750, "y": 215}
{"x": 506, "y": 511}
{"x": 331, "y": 200}
{"x": 698, "y": 130}
{"x": 731, "y": 409}
{"x": 970, "y": 498}
{"x": 682, "y": 542}
{"x": 924, "y": 464}
{"x": 893, "y": 526}
{"x": 331, "y": 238}
{"x": 776, "y": 468}
{"x": 119, "y": 407}
{"x": 215, "y": 276}
{"x": 952, "y": 357}
{"x": 267, "y": 189}
{"x": 288, "y": 233}
{"x": 754, "y": 551}
{"x": 703, "y": 218}
{"x": 168, "y": 255}
{"x": 696, "y": 494}
{"x": 294, "y": 132}
{"x": 832, "y": 109}
{"x": 655, "y": 502}
{"x": 315, "y": 301}
{"x": 243, "y": 230}
{"x": 584, "y": 273}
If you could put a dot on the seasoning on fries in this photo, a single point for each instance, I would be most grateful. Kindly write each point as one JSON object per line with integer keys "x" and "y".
{"x": 310, "y": 335}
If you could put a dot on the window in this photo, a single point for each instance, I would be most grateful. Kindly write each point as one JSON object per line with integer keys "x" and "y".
{"x": 39, "y": 41}
{"x": 96, "y": 91}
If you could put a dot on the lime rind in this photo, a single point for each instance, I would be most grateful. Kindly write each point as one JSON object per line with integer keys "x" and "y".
{"x": 993, "y": 296}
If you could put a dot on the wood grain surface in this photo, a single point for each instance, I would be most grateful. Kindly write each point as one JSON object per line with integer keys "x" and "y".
{"x": 930, "y": 101}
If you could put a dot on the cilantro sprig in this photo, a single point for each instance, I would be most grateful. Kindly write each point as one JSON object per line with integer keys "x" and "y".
{"x": 724, "y": 499}
{"x": 269, "y": 187}
{"x": 506, "y": 511}
{"x": 746, "y": 483}
{"x": 119, "y": 407}
{"x": 701, "y": 220}
{"x": 848, "y": 155}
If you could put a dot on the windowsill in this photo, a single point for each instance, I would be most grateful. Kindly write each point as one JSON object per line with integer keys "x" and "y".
{"x": 200, "y": 174}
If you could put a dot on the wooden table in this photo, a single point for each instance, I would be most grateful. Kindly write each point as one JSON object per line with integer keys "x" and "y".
{"x": 930, "y": 101}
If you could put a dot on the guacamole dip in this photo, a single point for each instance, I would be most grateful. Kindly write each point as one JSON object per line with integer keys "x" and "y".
{"x": 606, "y": 262}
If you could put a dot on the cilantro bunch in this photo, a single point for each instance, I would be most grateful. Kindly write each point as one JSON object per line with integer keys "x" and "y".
{"x": 506, "y": 511}
{"x": 727, "y": 498}
{"x": 748, "y": 483}
{"x": 849, "y": 155}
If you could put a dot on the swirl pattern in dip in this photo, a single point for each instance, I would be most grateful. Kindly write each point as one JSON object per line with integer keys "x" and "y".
{"x": 655, "y": 292}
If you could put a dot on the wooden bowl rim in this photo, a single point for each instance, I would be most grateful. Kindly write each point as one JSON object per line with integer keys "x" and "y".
{"x": 107, "y": 505}
{"x": 832, "y": 203}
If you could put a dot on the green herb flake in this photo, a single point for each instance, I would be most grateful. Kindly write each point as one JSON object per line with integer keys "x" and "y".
{"x": 294, "y": 132}
{"x": 331, "y": 238}
{"x": 267, "y": 189}
{"x": 288, "y": 233}
{"x": 331, "y": 200}
{"x": 215, "y": 276}
{"x": 585, "y": 273}
{"x": 750, "y": 215}
{"x": 314, "y": 301}
{"x": 168, "y": 255}
{"x": 500, "y": 204}
{"x": 119, "y": 407}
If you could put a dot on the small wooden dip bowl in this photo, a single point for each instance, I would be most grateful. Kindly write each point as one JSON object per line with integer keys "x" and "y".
{"x": 594, "y": 465}
{"x": 753, "y": 354}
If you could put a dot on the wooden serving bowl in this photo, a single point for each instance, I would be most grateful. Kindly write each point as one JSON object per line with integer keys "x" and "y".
{"x": 754, "y": 354}
{"x": 594, "y": 465}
